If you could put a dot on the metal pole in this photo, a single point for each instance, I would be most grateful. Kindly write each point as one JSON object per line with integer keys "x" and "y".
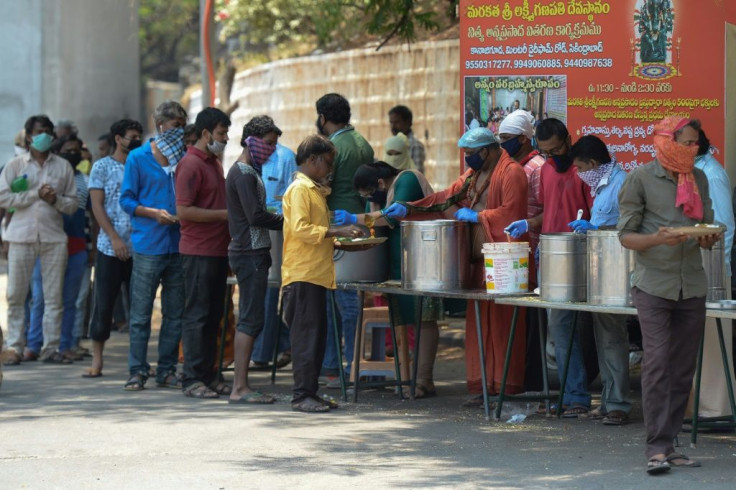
{"x": 204, "y": 19}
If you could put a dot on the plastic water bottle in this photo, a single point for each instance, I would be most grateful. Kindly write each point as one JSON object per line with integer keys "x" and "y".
{"x": 19, "y": 184}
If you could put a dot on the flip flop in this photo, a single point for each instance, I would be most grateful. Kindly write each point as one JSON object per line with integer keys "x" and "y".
{"x": 253, "y": 398}
{"x": 93, "y": 373}
{"x": 595, "y": 414}
{"x": 574, "y": 411}
{"x": 657, "y": 466}
{"x": 616, "y": 417}
{"x": 688, "y": 463}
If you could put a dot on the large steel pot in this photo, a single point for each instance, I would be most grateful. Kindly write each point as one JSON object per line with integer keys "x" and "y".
{"x": 435, "y": 255}
{"x": 563, "y": 268}
{"x": 277, "y": 247}
{"x": 366, "y": 266}
{"x": 610, "y": 267}
{"x": 714, "y": 263}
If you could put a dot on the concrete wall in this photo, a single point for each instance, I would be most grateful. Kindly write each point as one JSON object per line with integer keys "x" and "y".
{"x": 70, "y": 59}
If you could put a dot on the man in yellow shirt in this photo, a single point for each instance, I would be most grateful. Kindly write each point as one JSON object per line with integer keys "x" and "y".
{"x": 308, "y": 270}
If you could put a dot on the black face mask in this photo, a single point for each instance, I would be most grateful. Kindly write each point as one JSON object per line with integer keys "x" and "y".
{"x": 562, "y": 163}
{"x": 378, "y": 197}
{"x": 133, "y": 144}
{"x": 320, "y": 127}
{"x": 73, "y": 157}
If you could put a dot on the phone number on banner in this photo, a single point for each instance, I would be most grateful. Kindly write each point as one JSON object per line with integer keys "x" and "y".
{"x": 544, "y": 63}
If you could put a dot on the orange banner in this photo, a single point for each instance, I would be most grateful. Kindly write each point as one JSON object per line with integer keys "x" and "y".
{"x": 607, "y": 68}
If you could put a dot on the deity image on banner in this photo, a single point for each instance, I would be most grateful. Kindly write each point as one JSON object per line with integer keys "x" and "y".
{"x": 652, "y": 46}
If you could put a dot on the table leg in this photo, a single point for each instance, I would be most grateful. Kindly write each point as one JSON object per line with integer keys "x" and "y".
{"x": 417, "y": 338}
{"x": 358, "y": 351}
{"x": 726, "y": 370}
{"x": 397, "y": 368}
{"x": 338, "y": 344}
{"x": 225, "y": 325}
{"x": 543, "y": 352}
{"x": 278, "y": 341}
{"x": 563, "y": 379}
{"x": 696, "y": 398}
{"x": 507, "y": 362}
{"x": 482, "y": 359}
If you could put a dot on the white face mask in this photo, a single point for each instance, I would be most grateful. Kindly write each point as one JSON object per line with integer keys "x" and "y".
{"x": 216, "y": 147}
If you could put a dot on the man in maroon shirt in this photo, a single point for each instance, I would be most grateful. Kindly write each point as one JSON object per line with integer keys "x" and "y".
{"x": 562, "y": 194}
{"x": 202, "y": 208}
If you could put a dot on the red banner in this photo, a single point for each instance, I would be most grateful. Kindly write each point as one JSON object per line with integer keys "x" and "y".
{"x": 607, "y": 68}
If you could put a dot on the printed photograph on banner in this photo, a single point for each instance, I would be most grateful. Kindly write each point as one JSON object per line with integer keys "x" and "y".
{"x": 655, "y": 54}
{"x": 488, "y": 99}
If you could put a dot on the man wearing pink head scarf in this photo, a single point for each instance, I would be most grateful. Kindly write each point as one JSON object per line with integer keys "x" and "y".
{"x": 669, "y": 284}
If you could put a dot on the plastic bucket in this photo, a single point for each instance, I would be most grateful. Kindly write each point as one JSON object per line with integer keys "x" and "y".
{"x": 507, "y": 267}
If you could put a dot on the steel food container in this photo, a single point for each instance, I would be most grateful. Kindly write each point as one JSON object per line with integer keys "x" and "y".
{"x": 277, "y": 247}
{"x": 563, "y": 267}
{"x": 714, "y": 263}
{"x": 365, "y": 266}
{"x": 610, "y": 267}
{"x": 435, "y": 255}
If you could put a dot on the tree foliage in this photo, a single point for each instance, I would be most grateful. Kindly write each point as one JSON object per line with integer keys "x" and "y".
{"x": 324, "y": 23}
{"x": 169, "y": 36}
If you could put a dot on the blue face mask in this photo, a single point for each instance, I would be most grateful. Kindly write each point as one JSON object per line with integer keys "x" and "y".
{"x": 474, "y": 161}
{"x": 512, "y": 146}
{"x": 42, "y": 142}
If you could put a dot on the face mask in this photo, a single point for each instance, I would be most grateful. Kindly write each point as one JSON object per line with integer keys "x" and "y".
{"x": 320, "y": 127}
{"x": 474, "y": 161}
{"x": 512, "y": 146}
{"x": 73, "y": 158}
{"x": 171, "y": 145}
{"x": 133, "y": 144}
{"x": 562, "y": 163}
{"x": 19, "y": 150}
{"x": 42, "y": 142}
{"x": 378, "y": 197}
{"x": 216, "y": 147}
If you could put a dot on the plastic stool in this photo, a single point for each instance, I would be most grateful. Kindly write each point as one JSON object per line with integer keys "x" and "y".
{"x": 376, "y": 320}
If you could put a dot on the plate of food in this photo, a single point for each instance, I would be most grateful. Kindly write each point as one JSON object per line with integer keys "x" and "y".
{"x": 358, "y": 242}
{"x": 699, "y": 230}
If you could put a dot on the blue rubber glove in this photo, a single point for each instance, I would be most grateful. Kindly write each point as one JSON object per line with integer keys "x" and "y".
{"x": 344, "y": 218}
{"x": 466, "y": 214}
{"x": 395, "y": 211}
{"x": 581, "y": 225}
{"x": 517, "y": 228}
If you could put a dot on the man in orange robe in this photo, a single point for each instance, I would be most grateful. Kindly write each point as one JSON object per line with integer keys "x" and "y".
{"x": 491, "y": 194}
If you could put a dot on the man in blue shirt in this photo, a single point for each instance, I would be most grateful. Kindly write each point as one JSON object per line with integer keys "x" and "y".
{"x": 277, "y": 174}
{"x": 148, "y": 197}
{"x": 605, "y": 177}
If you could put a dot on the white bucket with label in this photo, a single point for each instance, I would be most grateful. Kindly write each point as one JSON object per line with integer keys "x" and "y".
{"x": 507, "y": 267}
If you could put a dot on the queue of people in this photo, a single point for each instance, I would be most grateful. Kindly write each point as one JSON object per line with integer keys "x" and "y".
{"x": 169, "y": 217}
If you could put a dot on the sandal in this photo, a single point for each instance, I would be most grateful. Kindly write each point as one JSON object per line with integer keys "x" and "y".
{"x": 616, "y": 417}
{"x": 310, "y": 405}
{"x": 686, "y": 462}
{"x": 574, "y": 411}
{"x": 201, "y": 391}
{"x": 255, "y": 398}
{"x": 171, "y": 380}
{"x": 657, "y": 466}
{"x": 135, "y": 383}
{"x": 595, "y": 414}
{"x": 283, "y": 360}
{"x": 221, "y": 388}
{"x": 92, "y": 373}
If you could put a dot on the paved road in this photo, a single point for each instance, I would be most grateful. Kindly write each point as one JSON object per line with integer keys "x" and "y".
{"x": 62, "y": 431}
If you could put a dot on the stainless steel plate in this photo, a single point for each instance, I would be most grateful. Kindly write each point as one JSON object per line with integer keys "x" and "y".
{"x": 725, "y": 304}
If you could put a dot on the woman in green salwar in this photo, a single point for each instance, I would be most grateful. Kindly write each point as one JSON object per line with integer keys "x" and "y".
{"x": 382, "y": 184}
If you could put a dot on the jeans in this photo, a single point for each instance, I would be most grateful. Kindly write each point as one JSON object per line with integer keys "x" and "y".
{"x": 72, "y": 281}
{"x": 612, "y": 344}
{"x": 205, "y": 285}
{"x": 148, "y": 272}
{"x": 347, "y": 317}
{"x": 576, "y": 389}
{"x": 34, "y": 336}
{"x": 80, "y": 329}
{"x": 263, "y": 347}
{"x": 252, "y": 274}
